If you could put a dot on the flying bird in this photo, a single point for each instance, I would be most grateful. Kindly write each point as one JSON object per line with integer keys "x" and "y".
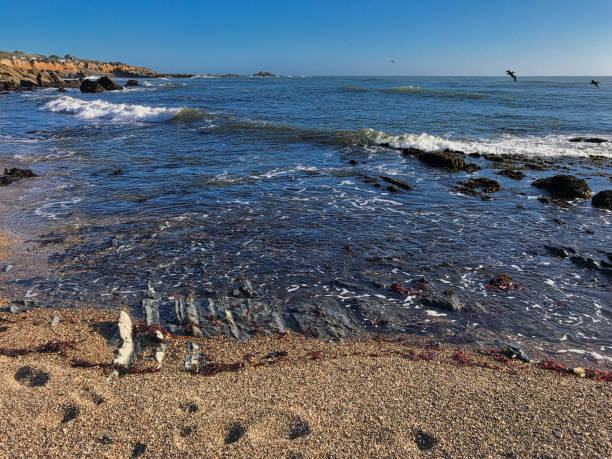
{"x": 594, "y": 83}
{"x": 392, "y": 61}
{"x": 512, "y": 74}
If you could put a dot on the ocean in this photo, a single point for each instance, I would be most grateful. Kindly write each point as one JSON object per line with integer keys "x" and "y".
{"x": 259, "y": 205}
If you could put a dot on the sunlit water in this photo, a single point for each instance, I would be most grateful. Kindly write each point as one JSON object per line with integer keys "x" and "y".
{"x": 200, "y": 185}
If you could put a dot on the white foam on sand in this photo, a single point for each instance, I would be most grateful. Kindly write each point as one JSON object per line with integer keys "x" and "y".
{"x": 550, "y": 145}
{"x": 99, "y": 109}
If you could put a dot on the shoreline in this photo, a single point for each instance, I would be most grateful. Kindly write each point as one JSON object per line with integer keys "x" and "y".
{"x": 282, "y": 395}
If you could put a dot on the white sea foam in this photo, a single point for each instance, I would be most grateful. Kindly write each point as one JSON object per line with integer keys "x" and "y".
{"x": 551, "y": 145}
{"x": 99, "y": 109}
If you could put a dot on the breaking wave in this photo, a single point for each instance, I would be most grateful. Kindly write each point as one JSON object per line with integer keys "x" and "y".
{"x": 547, "y": 146}
{"x": 99, "y": 109}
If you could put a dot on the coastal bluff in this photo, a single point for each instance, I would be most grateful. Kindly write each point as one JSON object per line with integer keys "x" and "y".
{"x": 24, "y": 71}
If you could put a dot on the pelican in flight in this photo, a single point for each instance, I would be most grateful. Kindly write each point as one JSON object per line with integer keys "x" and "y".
{"x": 512, "y": 74}
{"x": 392, "y": 61}
{"x": 594, "y": 83}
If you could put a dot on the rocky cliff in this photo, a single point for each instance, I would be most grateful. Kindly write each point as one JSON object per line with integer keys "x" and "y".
{"x": 72, "y": 67}
{"x": 22, "y": 71}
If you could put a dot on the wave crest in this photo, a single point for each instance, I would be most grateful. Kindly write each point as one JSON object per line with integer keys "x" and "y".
{"x": 99, "y": 109}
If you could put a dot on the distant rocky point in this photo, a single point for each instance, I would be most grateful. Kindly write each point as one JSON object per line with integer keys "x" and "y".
{"x": 23, "y": 71}
{"x": 263, "y": 74}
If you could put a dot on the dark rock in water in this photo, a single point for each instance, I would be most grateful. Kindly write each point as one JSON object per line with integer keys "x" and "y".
{"x": 445, "y": 302}
{"x": 557, "y": 251}
{"x": 91, "y": 87}
{"x": 475, "y": 307}
{"x": 396, "y": 182}
{"x": 131, "y": 83}
{"x": 583, "y": 262}
{"x": 603, "y": 200}
{"x": 588, "y": 139}
{"x": 456, "y": 152}
{"x": 14, "y": 175}
{"x": 27, "y": 84}
{"x": 544, "y": 200}
{"x": 352, "y": 162}
{"x": 487, "y": 185}
{"x": 502, "y": 281}
{"x": 558, "y": 221}
{"x": 446, "y": 161}
{"x": 108, "y": 84}
{"x": 62, "y": 90}
{"x": 475, "y": 155}
{"x": 19, "y": 173}
{"x": 512, "y": 173}
{"x": 564, "y": 187}
{"x": 263, "y": 74}
{"x": 392, "y": 189}
{"x": 515, "y": 352}
{"x": 410, "y": 151}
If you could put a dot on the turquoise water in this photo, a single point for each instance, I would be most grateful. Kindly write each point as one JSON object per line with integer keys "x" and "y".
{"x": 204, "y": 184}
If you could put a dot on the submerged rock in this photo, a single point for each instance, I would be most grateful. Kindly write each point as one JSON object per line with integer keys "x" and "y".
{"x": 588, "y": 139}
{"x": 447, "y": 161}
{"x": 603, "y": 200}
{"x": 446, "y": 302}
{"x": 131, "y": 83}
{"x": 14, "y": 175}
{"x": 396, "y": 182}
{"x": 512, "y": 173}
{"x": 484, "y": 184}
{"x": 564, "y": 187}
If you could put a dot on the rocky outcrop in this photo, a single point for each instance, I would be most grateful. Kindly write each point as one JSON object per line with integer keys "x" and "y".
{"x": 14, "y": 79}
{"x": 14, "y": 175}
{"x": 603, "y": 200}
{"x": 99, "y": 85}
{"x": 109, "y": 84}
{"x": 564, "y": 187}
{"x": 445, "y": 160}
{"x": 73, "y": 67}
{"x": 263, "y": 74}
{"x": 131, "y": 83}
{"x": 21, "y": 71}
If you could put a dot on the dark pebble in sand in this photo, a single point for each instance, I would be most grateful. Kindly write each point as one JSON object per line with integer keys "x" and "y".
{"x": 139, "y": 449}
{"x": 192, "y": 408}
{"x": 234, "y": 434}
{"x": 23, "y": 374}
{"x": 39, "y": 378}
{"x": 105, "y": 440}
{"x": 187, "y": 430}
{"x": 3, "y": 329}
{"x": 298, "y": 429}
{"x": 70, "y": 413}
{"x": 424, "y": 440}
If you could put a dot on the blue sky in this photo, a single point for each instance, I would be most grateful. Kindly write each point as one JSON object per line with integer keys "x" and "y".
{"x": 322, "y": 37}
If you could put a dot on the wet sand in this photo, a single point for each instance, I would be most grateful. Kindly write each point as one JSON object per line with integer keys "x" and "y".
{"x": 365, "y": 397}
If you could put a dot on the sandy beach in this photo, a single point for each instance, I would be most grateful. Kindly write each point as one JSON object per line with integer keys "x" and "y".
{"x": 282, "y": 396}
